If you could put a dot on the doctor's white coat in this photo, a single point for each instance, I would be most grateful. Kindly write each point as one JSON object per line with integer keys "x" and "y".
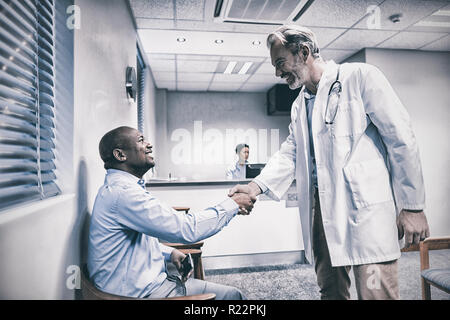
{"x": 368, "y": 166}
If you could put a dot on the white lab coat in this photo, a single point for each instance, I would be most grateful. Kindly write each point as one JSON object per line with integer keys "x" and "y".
{"x": 367, "y": 161}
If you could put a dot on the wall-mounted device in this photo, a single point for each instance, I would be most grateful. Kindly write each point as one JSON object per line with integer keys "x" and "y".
{"x": 131, "y": 82}
{"x": 280, "y": 99}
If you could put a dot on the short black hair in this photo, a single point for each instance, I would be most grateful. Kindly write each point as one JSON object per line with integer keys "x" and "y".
{"x": 240, "y": 146}
{"x": 116, "y": 138}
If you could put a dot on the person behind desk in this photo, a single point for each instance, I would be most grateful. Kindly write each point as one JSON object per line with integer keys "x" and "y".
{"x": 124, "y": 254}
{"x": 236, "y": 171}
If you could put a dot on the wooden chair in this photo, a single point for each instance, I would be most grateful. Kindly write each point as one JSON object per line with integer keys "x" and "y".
{"x": 439, "y": 278}
{"x": 90, "y": 292}
{"x": 195, "y": 249}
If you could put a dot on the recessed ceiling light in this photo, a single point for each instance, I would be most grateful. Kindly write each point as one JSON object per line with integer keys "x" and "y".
{"x": 256, "y": 43}
{"x": 218, "y": 41}
{"x": 230, "y": 67}
{"x": 245, "y": 67}
{"x": 181, "y": 39}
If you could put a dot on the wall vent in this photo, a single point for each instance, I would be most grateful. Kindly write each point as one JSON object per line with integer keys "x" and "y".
{"x": 260, "y": 11}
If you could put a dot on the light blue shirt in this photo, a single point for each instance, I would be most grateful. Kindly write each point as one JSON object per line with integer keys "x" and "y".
{"x": 236, "y": 171}
{"x": 125, "y": 256}
{"x": 310, "y": 98}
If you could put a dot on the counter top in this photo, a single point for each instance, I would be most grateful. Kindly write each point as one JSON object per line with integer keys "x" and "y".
{"x": 172, "y": 183}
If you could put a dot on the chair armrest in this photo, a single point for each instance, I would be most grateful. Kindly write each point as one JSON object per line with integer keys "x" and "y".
{"x": 431, "y": 244}
{"x": 204, "y": 296}
{"x": 179, "y": 246}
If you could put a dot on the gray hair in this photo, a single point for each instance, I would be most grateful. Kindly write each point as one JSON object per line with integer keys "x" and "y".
{"x": 293, "y": 37}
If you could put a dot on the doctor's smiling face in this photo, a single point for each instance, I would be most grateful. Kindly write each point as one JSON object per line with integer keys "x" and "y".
{"x": 290, "y": 66}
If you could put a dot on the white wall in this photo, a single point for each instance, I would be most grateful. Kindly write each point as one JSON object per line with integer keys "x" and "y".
{"x": 421, "y": 80}
{"x": 39, "y": 241}
{"x": 217, "y": 113}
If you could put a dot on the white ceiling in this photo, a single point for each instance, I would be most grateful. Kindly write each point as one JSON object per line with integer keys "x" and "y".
{"x": 342, "y": 27}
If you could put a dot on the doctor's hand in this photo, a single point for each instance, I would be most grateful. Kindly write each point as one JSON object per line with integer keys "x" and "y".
{"x": 252, "y": 189}
{"x": 412, "y": 225}
{"x": 244, "y": 202}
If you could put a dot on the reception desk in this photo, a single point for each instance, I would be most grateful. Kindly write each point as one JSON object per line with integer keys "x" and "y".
{"x": 271, "y": 234}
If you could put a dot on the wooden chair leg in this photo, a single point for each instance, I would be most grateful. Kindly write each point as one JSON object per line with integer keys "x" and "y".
{"x": 198, "y": 267}
{"x": 426, "y": 290}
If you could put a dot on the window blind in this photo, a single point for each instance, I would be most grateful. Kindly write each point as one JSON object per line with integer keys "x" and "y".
{"x": 27, "y": 107}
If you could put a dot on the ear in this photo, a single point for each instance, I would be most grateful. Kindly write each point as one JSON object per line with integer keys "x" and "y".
{"x": 119, "y": 155}
{"x": 304, "y": 52}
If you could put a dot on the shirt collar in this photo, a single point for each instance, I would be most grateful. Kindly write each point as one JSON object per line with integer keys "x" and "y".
{"x": 126, "y": 176}
{"x": 308, "y": 94}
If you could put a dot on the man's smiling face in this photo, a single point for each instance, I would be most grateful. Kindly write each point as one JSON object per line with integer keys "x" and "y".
{"x": 288, "y": 66}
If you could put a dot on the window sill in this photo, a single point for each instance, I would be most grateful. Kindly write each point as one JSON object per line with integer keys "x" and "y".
{"x": 30, "y": 208}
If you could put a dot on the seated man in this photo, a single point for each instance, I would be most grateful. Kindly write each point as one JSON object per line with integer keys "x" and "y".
{"x": 124, "y": 254}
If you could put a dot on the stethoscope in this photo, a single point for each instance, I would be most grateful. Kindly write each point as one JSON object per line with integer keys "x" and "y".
{"x": 336, "y": 88}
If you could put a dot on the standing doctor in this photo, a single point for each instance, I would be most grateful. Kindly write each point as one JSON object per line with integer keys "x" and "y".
{"x": 354, "y": 156}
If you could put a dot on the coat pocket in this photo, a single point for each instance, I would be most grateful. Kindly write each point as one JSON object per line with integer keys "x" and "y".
{"x": 369, "y": 182}
{"x": 349, "y": 119}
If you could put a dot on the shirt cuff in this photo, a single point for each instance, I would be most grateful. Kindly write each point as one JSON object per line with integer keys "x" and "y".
{"x": 230, "y": 207}
{"x": 166, "y": 251}
{"x": 261, "y": 185}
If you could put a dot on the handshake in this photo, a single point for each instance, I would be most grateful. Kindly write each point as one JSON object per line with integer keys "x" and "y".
{"x": 245, "y": 196}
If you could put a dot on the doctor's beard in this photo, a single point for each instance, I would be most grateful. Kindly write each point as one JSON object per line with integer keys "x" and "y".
{"x": 299, "y": 76}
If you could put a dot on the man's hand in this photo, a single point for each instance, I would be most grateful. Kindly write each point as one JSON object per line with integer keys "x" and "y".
{"x": 244, "y": 202}
{"x": 413, "y": 225}
{"x": 252, "y": 189}
{"x": 177, "y": 258}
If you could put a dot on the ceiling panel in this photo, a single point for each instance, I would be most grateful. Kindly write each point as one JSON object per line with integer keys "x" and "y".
{"x": 442, "y": 44}
{"x": 410, "y": 40}
{"x": 194, "y": 77}
{"x": 164, "y": 76}
{"x": 332, "y": 13}
{"x": 160, "y": 56}
{"x": 196, "y": 66}
{"x": 159, "y": 9}
{"x": 162, "y": 65}
{"x": 200, "y": 57}
{"x": 189, "y": 9}
{"x": 237, "y": 78}
{"x": 358, "y": 39}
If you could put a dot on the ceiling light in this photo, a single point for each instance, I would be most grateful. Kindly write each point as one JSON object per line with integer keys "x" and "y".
{"x": 218, "y": 41}
{"x": 438, "y": 24}
{"x": 256, "y": 43}
{"x": 181, "y": 39}
{"x": 444, "y": 13}
{"x": 245, "y": 67}
{"x": 230, "y": 67}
